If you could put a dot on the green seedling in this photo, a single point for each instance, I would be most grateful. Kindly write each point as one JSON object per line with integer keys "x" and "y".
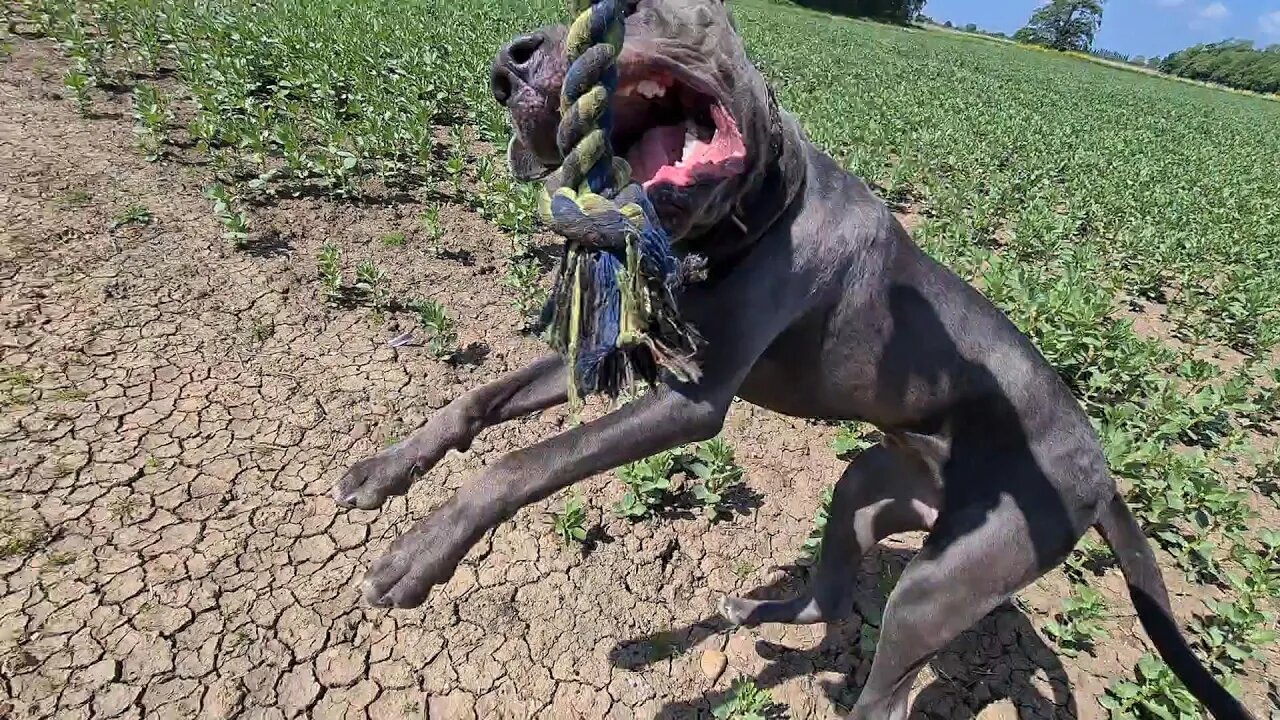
{"x": 442, "y": 336}
{"x": 851, "y": 439}
{"x": 1234, "y": 632}
{"x": 131, "y": 215}
{"x": 569, "y": 521}
{"x": 746, "y": 701}
{"x": 432, "y": 230}
{"x": 812, "y": 548}
{"x": 648, "y": 483}
{"x": 1157, "y": 693}
{"x": 394, "y": 239}
{"x": 372, "y": 284}
{"x": 76, "y": 198}
{"x": 15, "y": 386}
{"x": 18, "y": 540}
{"x": 79, "y": 85}
{"x": 716, "y": 471}
{"x": 123, "y": 508}
{"x": 151, "y": 119}
{"x": 522, "y": 277}
{"x": 329, "y": 263}
{"x": 235, "y": 224}
{"x": 1084, "y": 558}
{"x": 1079, "y": 623}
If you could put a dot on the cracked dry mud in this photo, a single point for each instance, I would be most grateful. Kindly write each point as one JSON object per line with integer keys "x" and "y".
{"x": 176, "y": 412}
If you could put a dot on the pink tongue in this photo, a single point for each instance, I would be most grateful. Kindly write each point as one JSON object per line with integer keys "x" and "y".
{"x": 659, "y": 146}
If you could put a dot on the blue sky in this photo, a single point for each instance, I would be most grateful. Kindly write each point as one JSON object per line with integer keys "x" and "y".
{"x": 1135, "y": 27}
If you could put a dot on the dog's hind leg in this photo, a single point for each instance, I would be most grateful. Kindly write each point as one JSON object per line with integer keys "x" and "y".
{"x": 371, "y": 481}
{"x": 881, "y": 493}
{"x": 974, "y": 560}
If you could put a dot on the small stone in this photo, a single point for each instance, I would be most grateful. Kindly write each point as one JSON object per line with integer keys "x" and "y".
{"x": 713, "y": 663}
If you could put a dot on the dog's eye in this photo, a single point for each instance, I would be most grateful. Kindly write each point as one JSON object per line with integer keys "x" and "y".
{"x": 630, "y": 7}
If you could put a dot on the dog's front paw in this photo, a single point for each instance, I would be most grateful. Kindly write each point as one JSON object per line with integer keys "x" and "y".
{"x": 425, "y": 556}
{"x": 736, "y": 610}
{"x": 370, "y": 482}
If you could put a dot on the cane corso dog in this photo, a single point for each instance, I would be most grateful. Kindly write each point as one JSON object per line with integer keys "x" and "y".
{"x": 817, "y": 304}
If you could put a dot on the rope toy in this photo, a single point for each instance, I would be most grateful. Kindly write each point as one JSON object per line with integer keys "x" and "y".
{"x": 611, "y": 311}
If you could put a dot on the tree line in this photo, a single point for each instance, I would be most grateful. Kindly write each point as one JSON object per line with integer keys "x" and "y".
{"x": 1234, "y": 63}
{"x": 895, "y": 11}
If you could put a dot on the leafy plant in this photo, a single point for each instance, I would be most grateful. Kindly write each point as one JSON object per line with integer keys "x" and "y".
{"x": 131, "y": 215}
{"x": 329, "y": 263}
{"x": 151, "y": 119}
{"x": 851, "y": 439}
{"x": 648, "y": 482}
{"x": 371, "y": 282}
{"x": 746, "y": 701}
{"x": 1084, "y": 559}
{"x": 17, "y": 539}
{"x": 712, "y": 463}
{"x": 432, "y": 229}
{"x": 79, "y": 84}
{"x": 812, "y": 548}
{"x": 1234, "y": 632}
{"x": 394, "y": 239}
{"x": 1156, "y": 694}
{"x": 234, "y": 222}
{"x": 442, "y": 338}
{"x": 1079, "y": 623}
{"x": 522, "y": 277}
{"x": 569, "y": 521}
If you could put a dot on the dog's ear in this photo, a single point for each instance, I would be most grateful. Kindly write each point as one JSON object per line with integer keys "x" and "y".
{"x": 525, "y": 166}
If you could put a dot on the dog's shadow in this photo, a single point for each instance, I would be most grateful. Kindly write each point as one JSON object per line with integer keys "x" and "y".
{"x": 996, "y": 659}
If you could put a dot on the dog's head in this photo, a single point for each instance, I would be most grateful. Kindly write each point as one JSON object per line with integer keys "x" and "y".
{"x": 691, "y": 114}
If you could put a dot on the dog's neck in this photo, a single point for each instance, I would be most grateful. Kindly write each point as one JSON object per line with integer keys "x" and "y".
{"x": 768, "y": 196}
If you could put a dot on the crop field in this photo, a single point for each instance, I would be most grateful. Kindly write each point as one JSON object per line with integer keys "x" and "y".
{"x": 217, "y": 214}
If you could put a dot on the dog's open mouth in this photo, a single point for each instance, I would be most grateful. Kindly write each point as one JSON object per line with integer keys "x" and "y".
{"x": 672, "y": 133}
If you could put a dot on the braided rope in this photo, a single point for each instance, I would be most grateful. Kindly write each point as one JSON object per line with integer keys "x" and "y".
{"x": 612, "y": 310}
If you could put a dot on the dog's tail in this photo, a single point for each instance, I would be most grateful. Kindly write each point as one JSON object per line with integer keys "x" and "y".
{"x": 1146, "y": 587}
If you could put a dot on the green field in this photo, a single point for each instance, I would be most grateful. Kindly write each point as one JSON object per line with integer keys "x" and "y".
{"x": 1077, "y": 196}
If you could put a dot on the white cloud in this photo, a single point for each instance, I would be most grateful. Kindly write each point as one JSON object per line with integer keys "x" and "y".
{"x": 1270, "y": 23}
{"x": 1216, "y": 11}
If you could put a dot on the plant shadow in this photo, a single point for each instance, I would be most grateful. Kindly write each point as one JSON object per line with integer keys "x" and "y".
{"x": 998, "y": 658}
{"x": 268, "y": 243}
{"x": 473, "y": 354}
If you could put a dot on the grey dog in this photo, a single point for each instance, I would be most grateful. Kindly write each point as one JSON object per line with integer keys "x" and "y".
{"x": 819, "y": 305}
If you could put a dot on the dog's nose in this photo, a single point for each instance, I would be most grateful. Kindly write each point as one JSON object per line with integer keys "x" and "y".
{"x": 512, "y": 64}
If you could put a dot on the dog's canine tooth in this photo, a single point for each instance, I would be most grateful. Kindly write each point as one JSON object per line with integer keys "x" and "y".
{"x": 689, "y": 139}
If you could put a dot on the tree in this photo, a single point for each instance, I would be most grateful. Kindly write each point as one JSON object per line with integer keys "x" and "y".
{"x": 1063, "y": 24}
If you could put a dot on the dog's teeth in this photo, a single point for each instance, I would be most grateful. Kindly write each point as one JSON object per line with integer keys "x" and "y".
{"x": 650, "y": 89}
{"x": 627, "y": 90}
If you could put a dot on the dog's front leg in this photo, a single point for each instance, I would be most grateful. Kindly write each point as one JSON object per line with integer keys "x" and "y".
{"x": 739, "y": 318}
{"x": 371, "y": 481}
{"x": 430, "y": 551}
